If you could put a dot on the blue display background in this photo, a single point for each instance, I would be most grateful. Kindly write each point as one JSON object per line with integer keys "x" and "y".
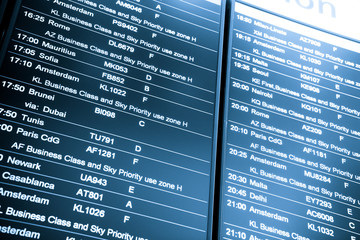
{"x": 129, "y": 142}
{"x": 290, "y": 163}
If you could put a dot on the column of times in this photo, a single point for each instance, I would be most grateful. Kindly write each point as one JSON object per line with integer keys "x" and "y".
{"x": 107, "y": 118}
{"x": 291, "y": 151}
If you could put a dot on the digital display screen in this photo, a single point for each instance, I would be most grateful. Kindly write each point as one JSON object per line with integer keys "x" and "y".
{"x": 108, "y": 119}
{"x": 290, "y": 165}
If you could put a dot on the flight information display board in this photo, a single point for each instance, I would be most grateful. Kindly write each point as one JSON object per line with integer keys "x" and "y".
{"x": 291, "y": 154}
{"x": 108, "y": 118}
